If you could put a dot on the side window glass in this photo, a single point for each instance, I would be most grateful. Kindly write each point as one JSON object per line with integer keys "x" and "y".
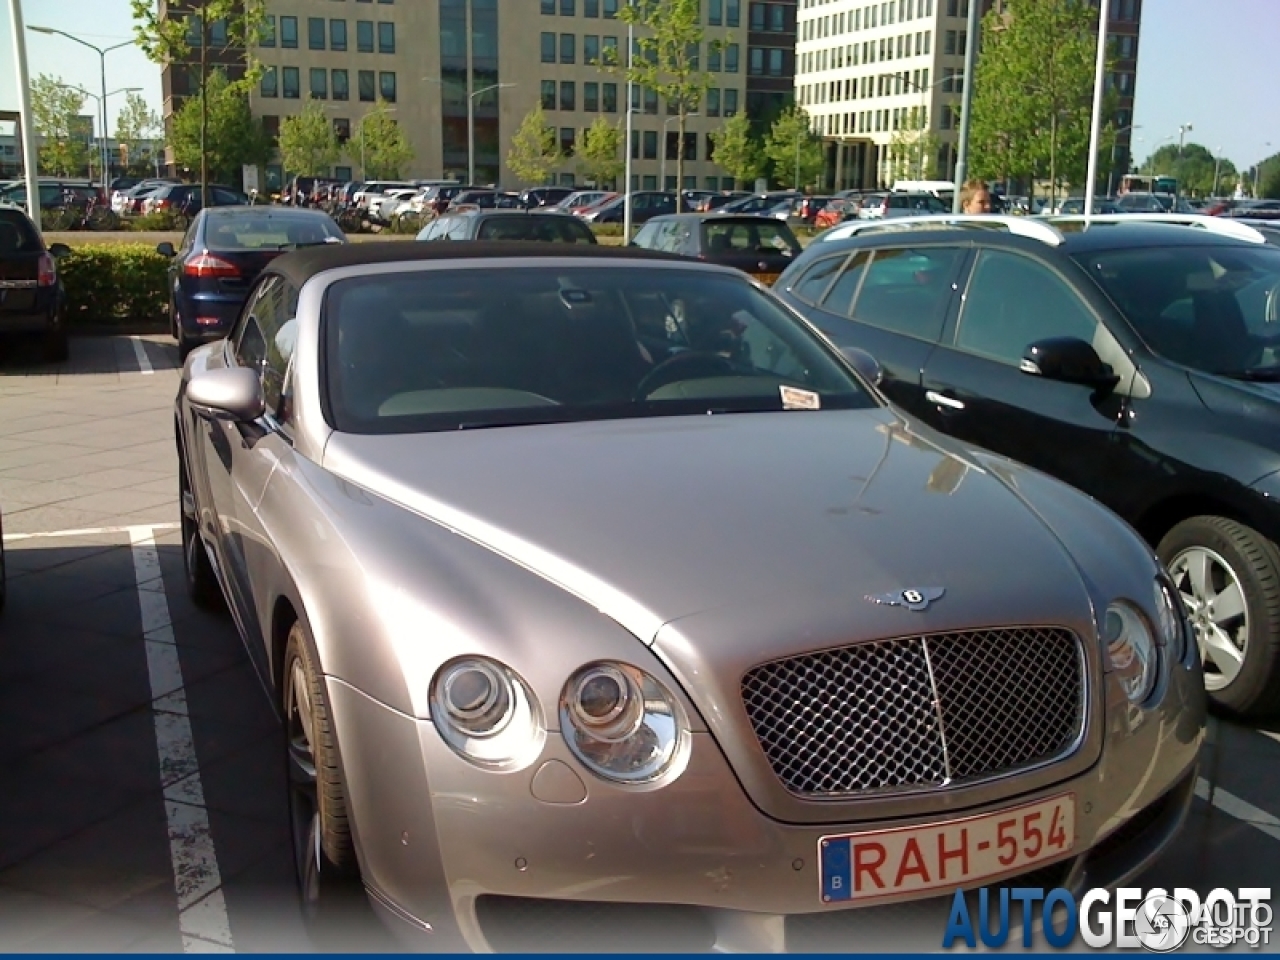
{"x": 647, "y": 236}
{"x": 907, "y": 291}
{"x": 839, "y": 298}
{"x": 458, "y": 229}
{"x": 1012, "y": 302}
{"x": 263, "y": 336}
{"x": 813, "y": 284}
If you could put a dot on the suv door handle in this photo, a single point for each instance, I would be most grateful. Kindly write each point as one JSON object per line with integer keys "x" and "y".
{"x": 942, "y": 400}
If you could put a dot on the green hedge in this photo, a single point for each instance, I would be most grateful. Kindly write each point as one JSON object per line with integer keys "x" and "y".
{"x": 107, "y": 282}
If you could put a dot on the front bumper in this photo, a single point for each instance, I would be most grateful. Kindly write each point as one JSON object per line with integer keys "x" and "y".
{"x": 550, "y": 857}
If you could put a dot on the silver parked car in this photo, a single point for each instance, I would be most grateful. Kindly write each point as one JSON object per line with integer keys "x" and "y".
{"x": 609, "y": 601}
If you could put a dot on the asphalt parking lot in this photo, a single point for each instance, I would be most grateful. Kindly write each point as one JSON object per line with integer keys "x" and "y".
{"x": 142, "y": 803}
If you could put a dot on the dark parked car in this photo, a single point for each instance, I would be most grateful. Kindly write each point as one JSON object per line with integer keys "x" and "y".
{"x": 185, "y": 200}
{"x": 224, "y": 250}
{"x": 32, "y": 300}
{"x": 54, "y": 192}
{"x": 764, "y": 203}
{"x": 544, "y": 196}
{"x": 645, "y": 205}
{"x": 761, "y": 246}
{"x": 1139, "y": 361}
{"x": 507, "y": 225}
{"x": 717, "y": 200}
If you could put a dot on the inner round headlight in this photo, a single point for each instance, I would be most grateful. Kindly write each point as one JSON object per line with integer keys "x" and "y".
{"x": 622, "y": 723}
{"x": 485, "y": 712}
{"x": 1131, "y": 649}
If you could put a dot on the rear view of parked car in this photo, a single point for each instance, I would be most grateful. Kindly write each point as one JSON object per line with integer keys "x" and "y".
{"x": 32, "y": 301}
{"x": 503, "y": 225}
{"x": 760, "y": 246}
{"x": 222, "y": 254}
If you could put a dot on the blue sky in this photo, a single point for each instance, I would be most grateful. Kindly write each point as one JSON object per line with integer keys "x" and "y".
{"x": 1212, "y": 63}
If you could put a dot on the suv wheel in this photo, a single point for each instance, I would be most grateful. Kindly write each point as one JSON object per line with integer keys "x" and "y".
{"x": 1229, "y": 578}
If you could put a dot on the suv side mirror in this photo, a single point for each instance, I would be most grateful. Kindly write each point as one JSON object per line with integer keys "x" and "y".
{"x": 58, "y": 250}
{"x": 864, "y": 363}
{"x": 166, "y": 249}
{"x": 1068, "y": 360}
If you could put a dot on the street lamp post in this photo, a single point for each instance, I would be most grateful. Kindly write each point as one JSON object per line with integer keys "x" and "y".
{"x": 102, "y": 112}
{"x": 1115, "y": 142}
{"x": 102, "y": 64}
{"x": 471, "y": 127}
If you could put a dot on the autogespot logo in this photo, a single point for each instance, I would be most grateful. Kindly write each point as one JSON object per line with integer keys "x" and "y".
{"x": 1156, "y": 920}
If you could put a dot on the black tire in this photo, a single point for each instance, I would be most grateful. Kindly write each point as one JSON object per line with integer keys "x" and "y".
{"x": 3, "y": 587}
{"x": 56, "y": 346}
{"x": 202, "y": 584}
{"x": 334, "y": 906}
{"x": 1255, "y": 563}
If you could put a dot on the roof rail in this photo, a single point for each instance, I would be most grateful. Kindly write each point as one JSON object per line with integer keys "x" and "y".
{"x": 1223, "y": 226}
{"x": 1019, "y": 226}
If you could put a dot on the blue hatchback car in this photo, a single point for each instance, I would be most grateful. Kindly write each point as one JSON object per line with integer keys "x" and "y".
{"x": 221, "y": 255}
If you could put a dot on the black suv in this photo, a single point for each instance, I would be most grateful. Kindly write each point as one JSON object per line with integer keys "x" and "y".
{"x": 32, "y": 300}
{"x": 1138, "y": 361}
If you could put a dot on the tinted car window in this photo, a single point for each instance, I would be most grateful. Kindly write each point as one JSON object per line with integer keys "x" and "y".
{"x": 544, "y": 228}
{"x": 908, "y": 290}
{"x": 233, "y": 233}
{"x": 437, "y": 350}
{"x": 1215, "y": 309}
{"x": 817, "y": 278}
{"x": 1013, "y": 301}
{"x": 839, "y": 299}
{"x": 261, "y": 346}
{"x": 753, "y": 238}
{"x": 16, "y": 233}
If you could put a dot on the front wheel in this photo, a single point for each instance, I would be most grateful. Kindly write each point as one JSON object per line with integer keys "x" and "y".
{"x": 332, "y": 897}
{"x": 202, "y": 584}
{"x": 1228, "y": 575}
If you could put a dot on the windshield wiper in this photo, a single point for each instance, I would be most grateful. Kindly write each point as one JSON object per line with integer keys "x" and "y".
{"x": 1253, "y": 374}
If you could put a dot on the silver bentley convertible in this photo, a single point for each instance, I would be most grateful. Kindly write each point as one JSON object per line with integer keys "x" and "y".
{"x": 598, "y": 593}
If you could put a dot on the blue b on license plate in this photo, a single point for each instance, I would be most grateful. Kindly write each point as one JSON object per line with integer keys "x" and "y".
{"x": 885, "y": 863}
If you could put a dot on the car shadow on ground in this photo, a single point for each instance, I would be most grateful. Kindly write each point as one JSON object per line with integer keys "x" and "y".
{"x": 116, "y": 354}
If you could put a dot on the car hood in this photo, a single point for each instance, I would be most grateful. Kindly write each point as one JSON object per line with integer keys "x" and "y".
{"x": 772, "y": 529}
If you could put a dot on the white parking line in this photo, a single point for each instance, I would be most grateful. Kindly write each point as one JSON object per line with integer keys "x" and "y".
{"x": 144, "y": 364}
{"x": 202, "y": 908}
{"x": 1233, "y": 806}
{"x": 86, "y": 532}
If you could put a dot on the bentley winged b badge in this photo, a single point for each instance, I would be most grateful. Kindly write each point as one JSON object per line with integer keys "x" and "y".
{"x": 913, "y": 599}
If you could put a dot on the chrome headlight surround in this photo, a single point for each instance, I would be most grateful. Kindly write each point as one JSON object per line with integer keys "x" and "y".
{"x": 1173, "y": 627}
{"x": 486, "y": 713}
{"x": 622, "y": 724}
{"x": 1131, "y": 650}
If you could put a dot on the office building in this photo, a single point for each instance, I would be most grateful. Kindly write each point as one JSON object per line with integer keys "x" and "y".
{"x": 869, "y": 72}
{"x": 414, "y": 54}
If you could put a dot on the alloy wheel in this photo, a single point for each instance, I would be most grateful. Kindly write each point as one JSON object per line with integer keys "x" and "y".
{"x": 1215, "y": 601}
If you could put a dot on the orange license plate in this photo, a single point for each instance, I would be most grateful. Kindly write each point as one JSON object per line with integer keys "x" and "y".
{"x": 887, "y": 863}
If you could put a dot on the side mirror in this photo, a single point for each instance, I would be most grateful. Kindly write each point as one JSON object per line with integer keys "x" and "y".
{"x": 166, "y": 249}
{"x": 58, "y": 249}
{"x": 864, "y": 363}
{"x": 1068, "y": 360}
{"x": 233, "y": 393}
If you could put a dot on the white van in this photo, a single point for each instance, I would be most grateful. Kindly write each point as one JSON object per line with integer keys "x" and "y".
{"x": 944, "y": 190}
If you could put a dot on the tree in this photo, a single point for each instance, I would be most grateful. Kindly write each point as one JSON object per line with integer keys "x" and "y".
{"x": 600, "y": 156}
{"x": 167, "y": 36}
{"x": 534, "y": 152}
{"x": 55, "y": 112}
{"x": 737, "y": 152}
{"x": 794, "y": 149}
{"x": 136, "y": 122}
{"x": 1033, "y": 93}
{"x": 308, "y": 143}
{"x": 669, "y": 40}
{"x": 1270, "y": 187}
{"x": 384, "y": 149}
{"x": 216, "y": 132}
{"x": 1196, "y": 168}
{"x": 912, "y": 149}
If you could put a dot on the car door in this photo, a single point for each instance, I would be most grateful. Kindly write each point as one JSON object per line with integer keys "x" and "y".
{"x": 976, "y": 390}
{"x": 891, "y": 302}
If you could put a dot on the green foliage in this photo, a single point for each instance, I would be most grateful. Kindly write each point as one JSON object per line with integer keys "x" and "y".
{"x": 114, "y": 281}
{"x": 159, "y": 221}
{"x": 737, "y": 152}
{"x": 1033, "y": 94}
{"x": 795, "y": 150}
{"x": 534, "y": 151}
{"x": 668, "y": 59}
{"x": 1270, "y": 186}
{"x": 384, "y": 147}
{"x": 600, "y": 155}
{"x": 1194, "y": 169}
{"x": 913, "y": 150}
{"x": 136, "y": 122}
{"x": 308, "y": 143}
{"x": 55, "y": 112}
{"x": 233, "y": 137}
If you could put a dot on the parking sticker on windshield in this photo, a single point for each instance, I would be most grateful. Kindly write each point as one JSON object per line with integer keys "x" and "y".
{"x": 793, "y": 398}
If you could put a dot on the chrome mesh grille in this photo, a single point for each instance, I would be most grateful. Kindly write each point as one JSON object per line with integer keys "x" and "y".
{"x": 918, "y": 711}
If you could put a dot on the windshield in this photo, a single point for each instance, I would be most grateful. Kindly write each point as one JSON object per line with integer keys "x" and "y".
{"x": 268, "y": 232}
{"x": 1214, "y": 309}
{"x": 546, "y": 228}
{"x": 437, "y": 350}
{"x": 754, "y": 237}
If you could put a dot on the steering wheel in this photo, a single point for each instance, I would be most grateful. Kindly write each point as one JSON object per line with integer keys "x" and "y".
{"x": 689, "y": 365}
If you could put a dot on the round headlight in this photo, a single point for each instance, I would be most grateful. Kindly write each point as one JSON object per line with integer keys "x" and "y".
{"x": 622, "y": 723}
{"x": 1131, "y": 649}
{"x": 485, "y": 712}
